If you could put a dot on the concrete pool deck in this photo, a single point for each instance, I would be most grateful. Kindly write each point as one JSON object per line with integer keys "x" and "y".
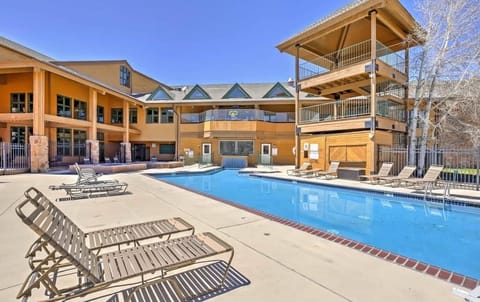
{"x": 282, "y": 263}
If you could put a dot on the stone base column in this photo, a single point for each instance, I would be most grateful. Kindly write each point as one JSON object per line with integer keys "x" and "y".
{"x": 126, "y": 152}
{"x": 38, "y": 153}
{"x": 93, "y": 151}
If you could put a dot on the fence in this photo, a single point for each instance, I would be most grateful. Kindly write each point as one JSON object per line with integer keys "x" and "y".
{"x": 461, "y": 166}
{"x": 14, "y": 158}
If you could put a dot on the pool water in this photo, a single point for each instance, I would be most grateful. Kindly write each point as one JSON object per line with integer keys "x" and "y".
{"x": 447, "y": 236}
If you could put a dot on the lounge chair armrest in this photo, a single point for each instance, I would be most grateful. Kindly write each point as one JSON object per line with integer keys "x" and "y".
{"x": 29, "y": 199}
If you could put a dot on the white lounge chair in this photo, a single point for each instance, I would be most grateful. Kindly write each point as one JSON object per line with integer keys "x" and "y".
{"x": 472, "y": 296}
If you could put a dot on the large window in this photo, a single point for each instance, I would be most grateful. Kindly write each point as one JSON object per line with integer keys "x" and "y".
{"x": 64, "y": 142}
{"x": 152, "y": 115}
{"x": 18, "y": 135}
{"x": 167, "y": 149}
{"x": 124, "y": 76}
{"x": 80, "y": 110}
{"x": 17, "y": 102}
{"x": 64, "y": 106}
{"x": 79, "y": 142}
{"x": 236, "y": 147}
{"x": 167, "y": 116}
{"x": 133, "y": 115}
{"x": 117, "y": 115}
{"x": 100, "y": 114}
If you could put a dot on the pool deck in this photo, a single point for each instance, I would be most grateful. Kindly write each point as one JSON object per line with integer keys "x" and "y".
{"x": 281, "y": 262}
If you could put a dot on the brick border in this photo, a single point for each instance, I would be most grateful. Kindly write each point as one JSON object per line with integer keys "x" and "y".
{"x": 434, "y": 271}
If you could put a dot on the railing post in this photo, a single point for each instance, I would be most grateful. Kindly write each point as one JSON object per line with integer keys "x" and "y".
{"x": 478, "y": 169}
{"x": 4, "y": 157}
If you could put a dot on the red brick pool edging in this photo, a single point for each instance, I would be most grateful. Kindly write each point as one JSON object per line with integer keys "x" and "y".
{"x": 434, "y": 271}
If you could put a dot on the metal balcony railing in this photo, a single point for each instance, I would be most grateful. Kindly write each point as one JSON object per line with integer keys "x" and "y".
{"x": 349, "y": 56}
{"x": 351, "y": 108}
{"x": 238, "y": 115}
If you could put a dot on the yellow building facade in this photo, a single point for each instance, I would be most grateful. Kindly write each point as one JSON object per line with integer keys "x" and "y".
{"x": 102, "y": 111}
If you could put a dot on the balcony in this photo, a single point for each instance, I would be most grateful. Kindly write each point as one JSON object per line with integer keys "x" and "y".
{"x": 238, "y": 115}
{"x": 345, "y": 71}
{"x": 238, "y": 122}
{"x": 352, "y": 114}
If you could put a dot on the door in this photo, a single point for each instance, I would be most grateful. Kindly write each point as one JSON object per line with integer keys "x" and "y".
{"x": 266, "y": 156}
{"x": 206, "y": 153}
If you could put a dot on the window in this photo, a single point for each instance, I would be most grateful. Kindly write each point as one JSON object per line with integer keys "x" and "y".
{"x": 167, "y": 116}
{"x": 124, "y": 76}
{"x": 17, "y": 102}
{"x": 30, "y": 101}
{"x": 17, "y": 135}
{"x": 80, "y": 110}
{"x": 64, "y": 106}
{"x": 167, "y": 149}
{"x": 236, "y": 92}
{"x": 100, "y": 114}
{"x": 117, "y": 115}
{"x": 132, "y": 116}
{"x": 160, "y": 94}
{"x": 278, "y": 91}
{"x": 197, "y": 93}
{"x": 101, "y": 136}
{"x": 79, "y": 142}
{"x": 152, "y": 115}
{"x": 236, "y": 147}
{"x": 64, "y": 142}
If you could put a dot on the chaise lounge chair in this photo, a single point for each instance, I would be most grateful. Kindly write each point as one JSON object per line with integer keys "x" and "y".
{"x": 428, "y": 180}
{"x": 472, "y": 296}
{"x": 104, "y": 238}
{"x": 406, "y": 172}
{"x": 88, "y": 185}
{"x": 383, "y": 172}
{"x": 98, "y": 272}
{"x": 331, "y": 172}
{"x": 297, "y": 172}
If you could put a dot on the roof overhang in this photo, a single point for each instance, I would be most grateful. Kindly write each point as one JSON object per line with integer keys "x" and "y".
{"x": 351, "y": 25}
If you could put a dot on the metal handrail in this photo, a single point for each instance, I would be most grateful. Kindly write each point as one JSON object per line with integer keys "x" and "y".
{"x": 351, "y": 108}
{"x": 349, "y": 56}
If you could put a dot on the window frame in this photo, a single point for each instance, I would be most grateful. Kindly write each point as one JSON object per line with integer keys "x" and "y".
{"x": 17, "y": 102}
{"x": 125, "y": 76}
{"x": 64, "y": 143}
{"x": 100, "y": 114}
{"x": 79, "y": 106}
{"x": 152, "y": 115}
{"x": 64, "y": 106}
{"x": 166, "y": 115}
{"x": 116, "y": 115}
{"x": 133, "y": 115}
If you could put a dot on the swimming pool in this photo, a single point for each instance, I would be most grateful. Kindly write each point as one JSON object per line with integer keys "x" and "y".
{"x": 445, "y": 236}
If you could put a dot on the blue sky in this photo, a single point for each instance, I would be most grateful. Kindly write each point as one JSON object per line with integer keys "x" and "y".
{"x": 175, "y": 42}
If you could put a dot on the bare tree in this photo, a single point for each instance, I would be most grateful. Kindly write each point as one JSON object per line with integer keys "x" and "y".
{"x": 448, "y": 58}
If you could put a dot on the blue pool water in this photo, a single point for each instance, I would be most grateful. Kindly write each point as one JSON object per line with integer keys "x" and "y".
{"x": 446, "y": 237}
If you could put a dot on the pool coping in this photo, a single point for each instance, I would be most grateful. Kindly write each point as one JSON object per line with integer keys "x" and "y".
{"x": 413, "y": 264}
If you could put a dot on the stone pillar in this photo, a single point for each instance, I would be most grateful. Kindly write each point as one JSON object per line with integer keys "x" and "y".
{"x": 93, "y": 152}
{"x": 38, "y": 153}
{"x": 126, "y": 152}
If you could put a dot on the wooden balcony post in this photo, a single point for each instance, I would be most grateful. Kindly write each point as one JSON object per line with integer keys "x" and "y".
{"x": 297, "y": 106}
{"x": 373, "y": 85}
{"x": 38, "y": 101}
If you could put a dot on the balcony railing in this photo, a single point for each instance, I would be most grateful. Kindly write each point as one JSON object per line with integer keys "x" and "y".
{"x": 349, "y": 56}
{"x": 238, "y": 115}
{"x": 351, "y": 108}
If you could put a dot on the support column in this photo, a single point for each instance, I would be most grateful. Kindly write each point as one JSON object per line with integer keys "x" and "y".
{"x": 373, "y": 86}
{"x": 93, "y": 151}
{"x": 297, "y": 107}
{"x": 38, "y": 141}
{"x": 38, "y": 153}
{"x": 125, "y": 146}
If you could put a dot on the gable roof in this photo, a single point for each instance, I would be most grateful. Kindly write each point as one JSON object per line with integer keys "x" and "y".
{"x": 197, "y": 93}
{"x": 24, "y": 50}
{"x": 278, "y": 90}
{"x": 236, "y": 92}
{"x": 159, "y": 94}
